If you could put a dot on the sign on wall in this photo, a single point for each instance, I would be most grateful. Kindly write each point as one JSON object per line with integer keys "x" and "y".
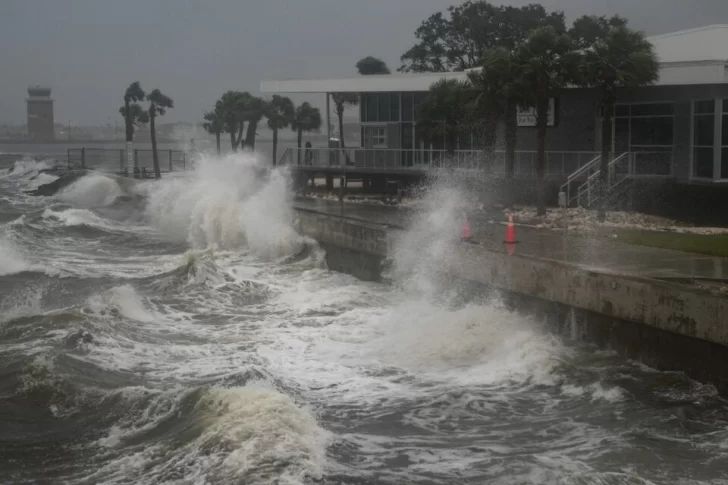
{"x": 527, "y": 116}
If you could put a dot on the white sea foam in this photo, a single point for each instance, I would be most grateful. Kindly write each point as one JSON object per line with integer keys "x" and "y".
{"x": 90, "y": 191}
{"x": 27, "y": 168}
{"x": 77, "y": 217}
{"x": 122, "y": 300}
{"x": 227, "y": 203}
{"x": 13, "y": 260}
{"x": 252, "y": 434}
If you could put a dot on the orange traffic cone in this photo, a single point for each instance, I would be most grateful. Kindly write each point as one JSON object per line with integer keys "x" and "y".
{"x": 467, "y": 234}
{"x": 510, "y": 231}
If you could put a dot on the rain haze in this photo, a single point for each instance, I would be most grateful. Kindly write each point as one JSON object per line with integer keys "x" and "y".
{"x": 507, "y": 266}
{"x": 89, "y": 51}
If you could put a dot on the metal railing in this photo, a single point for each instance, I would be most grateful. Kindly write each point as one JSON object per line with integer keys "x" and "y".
{"x": 620, "y": 170}
{"x": 114, "y": 160}
{"x": 558, "y": 164}
{"x": 589, "y": 188}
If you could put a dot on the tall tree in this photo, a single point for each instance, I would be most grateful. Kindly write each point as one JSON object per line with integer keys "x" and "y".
{"x": 457, "y": 40}
{"x": 588, "y": 29}
{"x": 545, "y": 64}
{"x": 253, "y": 111}
{"x": 158, "y": 104}
{"x": 231, "y": 107}
{"x": 341, "y": 102}
{"x": 443, "y": 112}
{"x": 280, "y": 113}
{"x": 498, "y": 94}
{"x": 306, "y": 118}
{"x": 371, "y": 65}
{"x": 214, "y": 124}
{"x": 134, "y": 116}
{"x": 621, "y": 58}
{"x": 133, "y": 94}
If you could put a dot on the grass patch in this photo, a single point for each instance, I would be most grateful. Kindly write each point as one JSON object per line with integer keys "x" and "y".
{"x": 693, "y": 243}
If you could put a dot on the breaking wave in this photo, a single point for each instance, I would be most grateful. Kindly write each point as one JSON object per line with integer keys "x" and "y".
{"x": 228, "y": 203}
{"x": 91, "y": 191}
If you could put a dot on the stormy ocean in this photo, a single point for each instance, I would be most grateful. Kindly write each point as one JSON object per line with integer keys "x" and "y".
{"x": 182, "y": 332}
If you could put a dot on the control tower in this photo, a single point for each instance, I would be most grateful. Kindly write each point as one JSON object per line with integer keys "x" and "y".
{"x": 40, "y": 114}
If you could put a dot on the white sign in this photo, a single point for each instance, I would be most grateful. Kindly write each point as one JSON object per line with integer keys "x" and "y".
{"x": 527, "y": 116}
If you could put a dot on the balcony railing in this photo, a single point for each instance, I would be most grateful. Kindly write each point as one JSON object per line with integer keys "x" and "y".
{"x": 114, "y": 160}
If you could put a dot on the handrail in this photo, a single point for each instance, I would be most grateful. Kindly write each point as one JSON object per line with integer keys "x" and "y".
{"x": 587, "y": 185}
{"x": 576, "y": 174}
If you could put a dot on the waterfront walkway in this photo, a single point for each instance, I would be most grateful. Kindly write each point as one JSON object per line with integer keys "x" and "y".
{"x": 595, "y": 253}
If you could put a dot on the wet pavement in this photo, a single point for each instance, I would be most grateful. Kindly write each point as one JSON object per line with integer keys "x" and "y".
{"x": 598, "y": 254}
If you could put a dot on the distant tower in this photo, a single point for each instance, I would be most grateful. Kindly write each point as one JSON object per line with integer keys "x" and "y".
{"x": 40, "y": 114}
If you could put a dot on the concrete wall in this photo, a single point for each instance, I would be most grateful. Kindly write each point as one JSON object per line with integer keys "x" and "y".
{"x": 648, "y": 310}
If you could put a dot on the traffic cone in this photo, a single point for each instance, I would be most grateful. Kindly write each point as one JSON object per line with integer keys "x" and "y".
{"x": 467, "y": 234}
{"x": 510, "y": 231}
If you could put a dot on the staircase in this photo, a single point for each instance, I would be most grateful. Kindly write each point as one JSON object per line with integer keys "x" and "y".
{"x": 587, "y": 194}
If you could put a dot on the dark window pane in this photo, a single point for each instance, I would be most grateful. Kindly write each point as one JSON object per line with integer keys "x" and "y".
{"x": 362, "y": 108}
{"x": 465, "y": 141}
{"x": 621, "y": 135}
{"x": 371, "y": 100}
{"x": 418, "y": 99}
{"x": 622, "y": 110}
{"x": 407, "y": 107}
{"x": 394, "y": 107}
{"x": 653, "y": 163}
{"x": 407, "y": 136}
{"x": 725, "y": 106}
{"x": 652, "y": 131}
{"x": 705, "y": 107}
{"x": 652, "y": 109}
{"x": 383, "y": 107}
{"x": 724, "y": 164}
{"x": 703, "y": 162}
{"x": 725, "y": 130}
{"x": 704, "y": 130}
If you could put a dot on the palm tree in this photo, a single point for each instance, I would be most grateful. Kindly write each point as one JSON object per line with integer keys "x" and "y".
{"x": 623, "y": 58}
{"x": 498, "y": 94}
{"x": 306, "y": 118}
{"x": 134, "y": 116}
{"x": 371, "y": 65}
{"x": 214, "y": 124}
{"x": 444, "y": 111}
{"x": 231, "y": 109}
{"x": 158, "y": 104}
{"x": 280, "y": 113}
{"x": 253, "y": 111}
{"x": 545, "y": 64}
{"x": 341, "y": 101}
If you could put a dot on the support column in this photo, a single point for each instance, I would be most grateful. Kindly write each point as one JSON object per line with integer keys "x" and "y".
{"x": 328, "y": 129}
{"x": 717, "y": 142}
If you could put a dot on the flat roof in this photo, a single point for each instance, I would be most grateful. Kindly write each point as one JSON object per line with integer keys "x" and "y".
{"x": 695, "y": 56}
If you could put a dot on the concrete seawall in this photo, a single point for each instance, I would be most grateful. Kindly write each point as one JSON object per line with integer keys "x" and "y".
{"x": 665, "y": 325}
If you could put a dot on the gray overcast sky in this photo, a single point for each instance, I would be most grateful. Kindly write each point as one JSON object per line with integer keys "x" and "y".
{"x": 88, "y": 51}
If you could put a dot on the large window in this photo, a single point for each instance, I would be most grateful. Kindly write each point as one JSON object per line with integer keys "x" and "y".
{"x": 648, "y": 130}
{"x": 724, "y": 146}
{"x": 379, "y": 107}
{"x": 710, "y": 139}
{"x": 375, "y": 136}
{"x": 703, "y": 138}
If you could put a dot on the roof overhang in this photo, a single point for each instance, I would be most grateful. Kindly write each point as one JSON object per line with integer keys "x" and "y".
{"x": 694, "y": 72}
{"x": 671, "y": 73}
{"x": 360, "y": 84}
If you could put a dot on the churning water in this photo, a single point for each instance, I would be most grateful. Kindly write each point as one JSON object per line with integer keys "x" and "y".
{"x": 181, "y": 332}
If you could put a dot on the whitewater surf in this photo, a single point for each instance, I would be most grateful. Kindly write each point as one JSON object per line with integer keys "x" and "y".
{"x": 181, "y": 332}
